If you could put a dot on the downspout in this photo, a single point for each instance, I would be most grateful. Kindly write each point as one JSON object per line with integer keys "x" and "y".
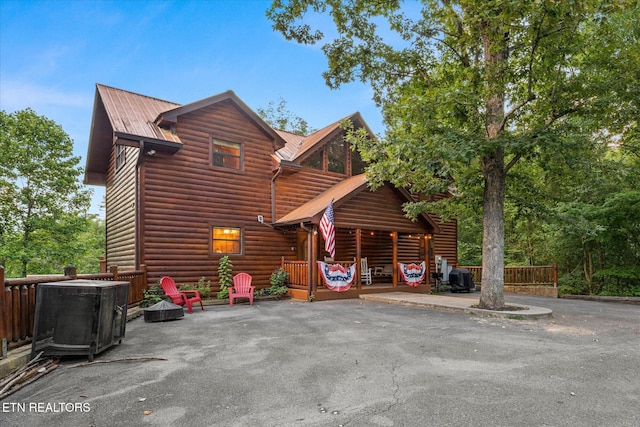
{"x": 138, "y": 213}
{"x": 273, "y": 194}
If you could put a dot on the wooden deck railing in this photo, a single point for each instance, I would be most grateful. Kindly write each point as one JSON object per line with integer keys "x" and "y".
{"x": 528, "y": 275}
{"x": 298, "y": 273}
{"x": 18, "y": 300}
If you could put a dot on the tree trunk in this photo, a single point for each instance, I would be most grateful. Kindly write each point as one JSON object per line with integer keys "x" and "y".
{"x": 495, "y": 43}
{"x": 492, "y": 291}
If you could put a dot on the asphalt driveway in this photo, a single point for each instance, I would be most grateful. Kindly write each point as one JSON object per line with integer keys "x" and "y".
{"x": 353, "y": 363}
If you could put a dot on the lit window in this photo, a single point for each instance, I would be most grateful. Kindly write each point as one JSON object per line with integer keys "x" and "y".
{"x": 227, "y": 240}
{"x": 227, "y": 154}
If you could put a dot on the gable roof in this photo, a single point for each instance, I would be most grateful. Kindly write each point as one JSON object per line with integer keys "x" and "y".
{"x": 339, "y": 193}
{"x": 133, "y": 118}
{"x": 120, "y": 114}
{"x": 171, "y": 116}
{"x": 297, "y": 146}
{"x": 312, "y": 211}
{"x": 132, "y": 114}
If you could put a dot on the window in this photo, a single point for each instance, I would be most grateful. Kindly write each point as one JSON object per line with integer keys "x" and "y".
{"x": 226, "y": 240}
{"x": 357, "y": 164}
{"x": 336, "y": 155}
{"x": 227, "y": 154}
{"x": 314, "y": 161}
{"x": 121, "y": 158}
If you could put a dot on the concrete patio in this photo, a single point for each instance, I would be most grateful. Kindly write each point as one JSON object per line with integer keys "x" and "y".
{"x": 355, "y": 363}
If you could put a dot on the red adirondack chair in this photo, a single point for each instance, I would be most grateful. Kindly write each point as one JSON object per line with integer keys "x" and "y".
{"x": 241, "y": 288}
{"x": 180, "y": 297}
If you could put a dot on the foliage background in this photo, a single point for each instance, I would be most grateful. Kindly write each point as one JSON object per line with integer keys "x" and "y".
{"x": 44, "y": 225}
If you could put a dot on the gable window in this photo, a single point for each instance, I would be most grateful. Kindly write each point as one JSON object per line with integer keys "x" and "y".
{"x": 336, "y": 156}
{"x": 314, "y": 161}
{"x": 227, "y": 154}
{"x": 226, "y": 240}
{"x": 121, "y": 157}
{"x": 357, "y": 164}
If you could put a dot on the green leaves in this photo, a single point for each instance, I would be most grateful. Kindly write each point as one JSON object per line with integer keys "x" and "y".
{"x": 41, "y": 199}
{"x": 470, "y": 90}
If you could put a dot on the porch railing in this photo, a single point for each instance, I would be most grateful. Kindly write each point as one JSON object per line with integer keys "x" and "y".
{"x": 18, "y": 300}
{"x": 527, "y": 275}
{"x": 298, "y": 273}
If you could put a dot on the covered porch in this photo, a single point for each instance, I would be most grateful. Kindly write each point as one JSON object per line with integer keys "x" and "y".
{"x": 377, "y": 251}
{"x": 371, "y": 230}
{"x": 300, "y": 289}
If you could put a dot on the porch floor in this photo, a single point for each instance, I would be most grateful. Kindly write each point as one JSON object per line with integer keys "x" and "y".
{"x": 324, "y": 294}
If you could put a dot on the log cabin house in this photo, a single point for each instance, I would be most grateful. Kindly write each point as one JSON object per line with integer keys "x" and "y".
{"x": 188, "y": 184}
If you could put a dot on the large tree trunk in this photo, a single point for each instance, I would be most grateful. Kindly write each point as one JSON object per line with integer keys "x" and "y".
{"x": 495, "y": 43}
{"x": 492, "y": 291}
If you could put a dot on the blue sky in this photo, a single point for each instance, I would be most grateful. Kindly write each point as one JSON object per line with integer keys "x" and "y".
{"x": 52, "y": 53}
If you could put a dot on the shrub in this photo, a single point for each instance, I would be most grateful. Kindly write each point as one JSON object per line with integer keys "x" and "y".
{"x": 152, "y": 296}
{"x": 203, "y": 287}
{"x": 225, "y": 277}
{"x": 278, "y": 280}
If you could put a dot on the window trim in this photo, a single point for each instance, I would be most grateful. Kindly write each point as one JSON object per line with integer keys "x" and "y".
{"x": 120, "y": 156}
{"x": 240, "y": 239}
{"x": 213, "y": 152}
{"x": 345, "y": 155}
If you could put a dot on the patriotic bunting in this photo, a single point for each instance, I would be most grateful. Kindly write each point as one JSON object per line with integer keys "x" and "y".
{"x": 412, "y": 274}
{"x": 336, "y": 277}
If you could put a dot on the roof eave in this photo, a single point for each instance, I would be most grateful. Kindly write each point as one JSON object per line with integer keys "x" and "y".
{"x": 171, "y": 116}
{"x": 151, "y": 143}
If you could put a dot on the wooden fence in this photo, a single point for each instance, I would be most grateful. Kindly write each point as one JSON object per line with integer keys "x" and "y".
{"x": 529, "y": 279}
{"x": 18, "y": 300}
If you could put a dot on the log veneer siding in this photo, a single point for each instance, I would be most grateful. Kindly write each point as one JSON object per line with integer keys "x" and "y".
{"x": 178, "y": 217}
{"x": 121, "y": 211}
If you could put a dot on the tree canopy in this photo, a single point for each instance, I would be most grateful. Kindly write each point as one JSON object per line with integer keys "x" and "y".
{"x": 470, "y": 89}
{"x": 43, "y": 205}
{"x": 278, "y": 116}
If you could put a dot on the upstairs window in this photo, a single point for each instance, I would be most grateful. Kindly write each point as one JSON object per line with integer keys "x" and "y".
{"x": 226, "y": 240}
{"x": 227, "y": 154}
{"x": 357, "y": 164}
{"x": 121, "y": 157}
{"x": 336, "y": 156}
{"x": 314, "y": 161}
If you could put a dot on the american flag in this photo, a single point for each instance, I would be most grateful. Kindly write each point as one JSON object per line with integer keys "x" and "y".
{"x": 328, "y": 230}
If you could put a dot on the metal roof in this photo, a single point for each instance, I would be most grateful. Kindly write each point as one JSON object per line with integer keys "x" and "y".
{"x": 122, "y": 115}
{"x": 314, "y": 207}
{"x": 134, "y": 114}
{"x": 170, "y": 116}
{"x": 339, "y": 193}
{"x": 297, "y": 146}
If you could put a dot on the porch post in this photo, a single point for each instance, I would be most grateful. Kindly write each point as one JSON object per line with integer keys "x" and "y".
{"x": 427, "y": 258}
{"x": 394, "y": 257}
{"x": 358, "y": 258}
{"x": 313, "y": 244}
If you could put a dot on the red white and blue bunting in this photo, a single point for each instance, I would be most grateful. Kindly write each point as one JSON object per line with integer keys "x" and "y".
{"x": 336, "y": 277}
{"x": 412, "y": 274}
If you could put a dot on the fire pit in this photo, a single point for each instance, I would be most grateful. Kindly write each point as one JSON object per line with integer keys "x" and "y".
{"x": 163, "y": 311}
